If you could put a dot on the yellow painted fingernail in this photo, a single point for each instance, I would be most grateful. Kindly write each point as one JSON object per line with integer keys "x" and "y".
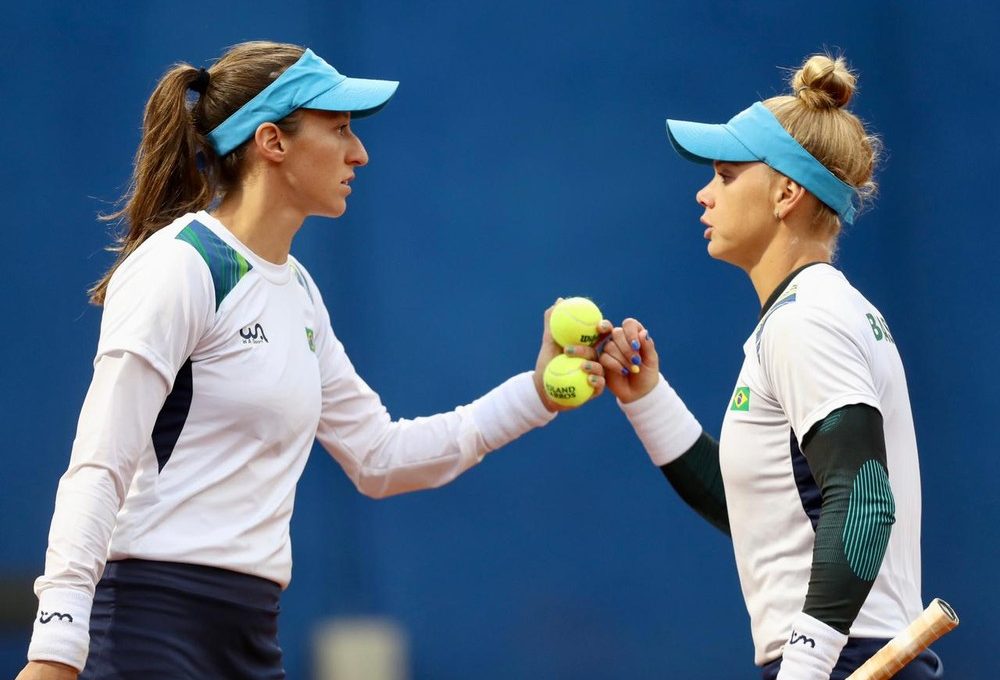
{"x": 633, "y": 368}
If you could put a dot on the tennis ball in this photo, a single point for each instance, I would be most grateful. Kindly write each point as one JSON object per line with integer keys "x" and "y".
{"x": 574, "y": 321}
{"x": 566, "y": 382}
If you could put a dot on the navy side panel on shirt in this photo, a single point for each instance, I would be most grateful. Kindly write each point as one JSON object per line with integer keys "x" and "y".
{"x": 170, "y": 421}
{"x": 809, "y": 493}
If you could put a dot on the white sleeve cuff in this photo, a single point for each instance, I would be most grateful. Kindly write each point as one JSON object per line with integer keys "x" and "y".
{"x": 509, "y": 410}
{"x": 663, "y": 423}
{"x": 62, "y": 627}
{"x": 812, "y": 650}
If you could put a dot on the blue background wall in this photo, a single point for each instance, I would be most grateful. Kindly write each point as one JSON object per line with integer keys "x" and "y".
{"x": 524, "y": 158}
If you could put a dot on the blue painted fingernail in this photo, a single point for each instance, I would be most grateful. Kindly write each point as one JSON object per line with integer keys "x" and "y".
{"x": 635, "y": 345}
{"x": 625, "y": 372}
{"x": 636, "y": 360}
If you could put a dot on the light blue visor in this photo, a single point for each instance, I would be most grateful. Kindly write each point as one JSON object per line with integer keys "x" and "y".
{"x": 754, "y": 134}
{"x": 309, "y": 83}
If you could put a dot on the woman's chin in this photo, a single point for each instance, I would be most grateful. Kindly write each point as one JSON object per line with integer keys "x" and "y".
{"x": 717, "y": 250}
{"x": 335, "y": 210}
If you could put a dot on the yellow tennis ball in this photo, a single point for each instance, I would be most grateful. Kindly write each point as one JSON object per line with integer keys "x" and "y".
{"x": 574, "y": 321}
{"x": 566, "y": 382}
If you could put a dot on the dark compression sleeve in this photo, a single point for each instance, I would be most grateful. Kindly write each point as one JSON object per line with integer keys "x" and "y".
{"x": 846, "y": 454}
{"x": 697, "y": 478}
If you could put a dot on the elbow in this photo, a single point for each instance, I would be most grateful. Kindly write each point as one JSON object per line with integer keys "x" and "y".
{"x": 370, "y": 485}
{"x": 383, "y": 483}
{"x": 91, "y": 477}
{"x": 377, "y": 483}
{"x": 866, "y": 534}
{"x": 374, "y": 491}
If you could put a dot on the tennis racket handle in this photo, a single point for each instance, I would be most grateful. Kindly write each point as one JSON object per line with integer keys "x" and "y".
{"x": 937, "y": 620}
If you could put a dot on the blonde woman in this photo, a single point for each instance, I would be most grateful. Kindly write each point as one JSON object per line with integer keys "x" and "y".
{"x": 215, "y": 371}
{"x": 815, "y": 475}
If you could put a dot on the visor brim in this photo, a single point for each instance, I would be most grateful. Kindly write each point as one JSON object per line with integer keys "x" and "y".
{"x": 360, "y": 96}
{"x": 706, "y": 142}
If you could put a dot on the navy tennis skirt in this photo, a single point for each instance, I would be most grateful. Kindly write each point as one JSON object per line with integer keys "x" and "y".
{"x": 927, "y": 666}
{"x": 159, "y": 620}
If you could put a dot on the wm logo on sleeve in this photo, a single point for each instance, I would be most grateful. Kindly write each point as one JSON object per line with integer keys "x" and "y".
{"x": 798, "y": 637}
{"x": 45, "y": 617}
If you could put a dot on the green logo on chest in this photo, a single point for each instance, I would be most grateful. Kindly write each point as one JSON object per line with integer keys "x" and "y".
{"x": 741, "y": 400}
{"x": 311, "y": 339}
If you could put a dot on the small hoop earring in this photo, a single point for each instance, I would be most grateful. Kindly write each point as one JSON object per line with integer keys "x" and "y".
{"x": 776, "y": 215}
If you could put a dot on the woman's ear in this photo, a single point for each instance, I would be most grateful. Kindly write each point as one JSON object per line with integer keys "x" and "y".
{"x": 788, "y": 196}
{"x": 269, "y": 143}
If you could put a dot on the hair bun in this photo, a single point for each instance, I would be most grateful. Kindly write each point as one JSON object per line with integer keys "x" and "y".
{"x": 824, "y": 82}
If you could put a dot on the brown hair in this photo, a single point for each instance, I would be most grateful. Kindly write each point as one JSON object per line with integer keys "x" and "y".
{"x": 815, "y": 116}
{"x": 176, "y": 170}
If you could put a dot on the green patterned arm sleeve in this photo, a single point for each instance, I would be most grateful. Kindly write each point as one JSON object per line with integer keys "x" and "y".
{"x": 846, "y": 455}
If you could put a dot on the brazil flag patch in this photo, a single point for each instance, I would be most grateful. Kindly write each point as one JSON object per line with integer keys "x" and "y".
{"x": 741, "y": 400}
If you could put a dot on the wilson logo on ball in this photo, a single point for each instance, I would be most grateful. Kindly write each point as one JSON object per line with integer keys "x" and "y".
{"x": 574, "y": 321}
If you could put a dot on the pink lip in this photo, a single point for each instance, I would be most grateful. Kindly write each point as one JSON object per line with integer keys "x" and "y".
{"x": 708, "y": 230}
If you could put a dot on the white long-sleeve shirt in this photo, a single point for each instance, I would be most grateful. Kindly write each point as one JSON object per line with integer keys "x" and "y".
{"x": 215, "y": 372}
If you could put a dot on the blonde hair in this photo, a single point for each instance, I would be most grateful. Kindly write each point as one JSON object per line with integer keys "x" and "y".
{"x": 176, "y": 169}
{"x": 815, "y": 116}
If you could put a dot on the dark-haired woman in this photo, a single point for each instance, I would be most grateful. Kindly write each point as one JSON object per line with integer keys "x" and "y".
{"x": 815, "y": 474}
{"x": 215, "y": 371}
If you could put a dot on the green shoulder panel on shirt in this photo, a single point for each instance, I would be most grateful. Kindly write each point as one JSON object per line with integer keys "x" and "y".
{"x": 226, "y": 265}
{"x": 302, "y": 281}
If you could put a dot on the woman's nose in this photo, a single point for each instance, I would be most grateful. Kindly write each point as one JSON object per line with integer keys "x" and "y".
{"x": 703, "y": 197}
